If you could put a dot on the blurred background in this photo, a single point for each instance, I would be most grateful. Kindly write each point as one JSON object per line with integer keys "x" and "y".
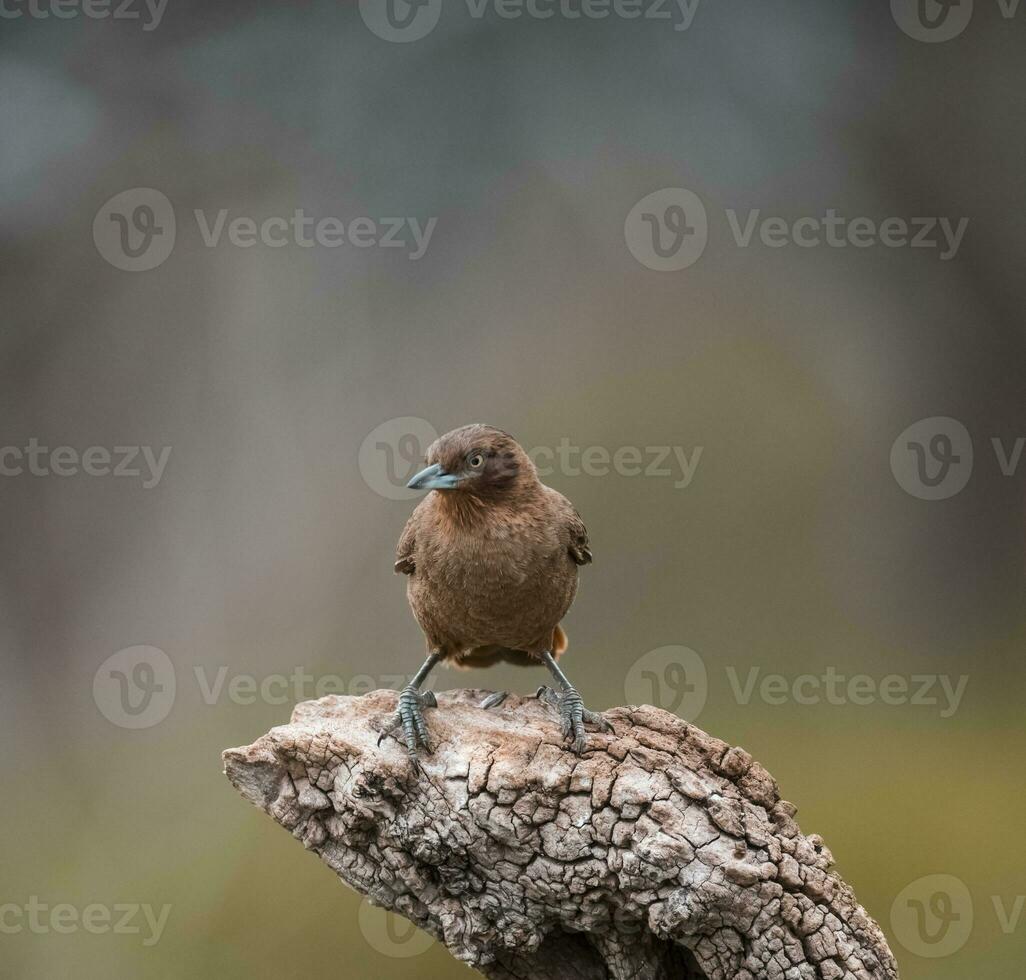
{"x": 798, "y": 462}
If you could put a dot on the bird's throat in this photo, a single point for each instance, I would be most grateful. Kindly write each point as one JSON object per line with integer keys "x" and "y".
{"x": 466, "y": 510}
{"x": 461, "y": 509}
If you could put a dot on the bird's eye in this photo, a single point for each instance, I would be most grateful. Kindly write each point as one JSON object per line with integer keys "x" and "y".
{"x": 475, "y": 461}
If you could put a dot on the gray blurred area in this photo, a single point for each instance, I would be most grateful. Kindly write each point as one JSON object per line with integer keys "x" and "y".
{"x": 265, "y": 547}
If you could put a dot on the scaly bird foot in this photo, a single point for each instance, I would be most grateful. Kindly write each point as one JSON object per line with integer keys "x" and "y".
{"x": 573, "y": 715}
{"x": 410, "y": 718}
{"x": 494, "y": 699}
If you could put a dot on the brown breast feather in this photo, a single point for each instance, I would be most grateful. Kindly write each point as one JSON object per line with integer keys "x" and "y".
{"x": 482, "y": 576}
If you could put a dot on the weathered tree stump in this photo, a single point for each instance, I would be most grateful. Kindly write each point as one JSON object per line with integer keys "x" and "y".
{"x": 661, "y": 853}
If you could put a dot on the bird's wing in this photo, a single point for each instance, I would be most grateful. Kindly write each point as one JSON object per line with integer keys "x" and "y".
{"x": 580, "y": 547}
{"x": 404, "y": 550}
{"x": 577, "y": 534}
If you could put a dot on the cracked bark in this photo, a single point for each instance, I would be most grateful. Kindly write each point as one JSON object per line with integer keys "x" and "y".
{"x": 662, "y": 853}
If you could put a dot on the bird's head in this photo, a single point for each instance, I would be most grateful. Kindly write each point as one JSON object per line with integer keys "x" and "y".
{"x": 476, "y": 459}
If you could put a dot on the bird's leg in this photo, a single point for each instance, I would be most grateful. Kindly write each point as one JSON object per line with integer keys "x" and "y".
{"x": 570, "y": 706}
{"x": 409, "y": 715}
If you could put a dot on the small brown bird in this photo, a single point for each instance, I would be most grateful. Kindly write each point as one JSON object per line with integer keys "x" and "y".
{"x": 492, "y": 556}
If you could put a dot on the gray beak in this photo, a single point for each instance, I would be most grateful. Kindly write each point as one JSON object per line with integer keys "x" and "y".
{"x": 433, "y": 478}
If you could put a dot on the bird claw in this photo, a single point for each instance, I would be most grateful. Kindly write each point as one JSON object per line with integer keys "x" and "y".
{"x": 573, "y": 716}
{"x": 494, "y": 699}
{"x": 409, "y": 717}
